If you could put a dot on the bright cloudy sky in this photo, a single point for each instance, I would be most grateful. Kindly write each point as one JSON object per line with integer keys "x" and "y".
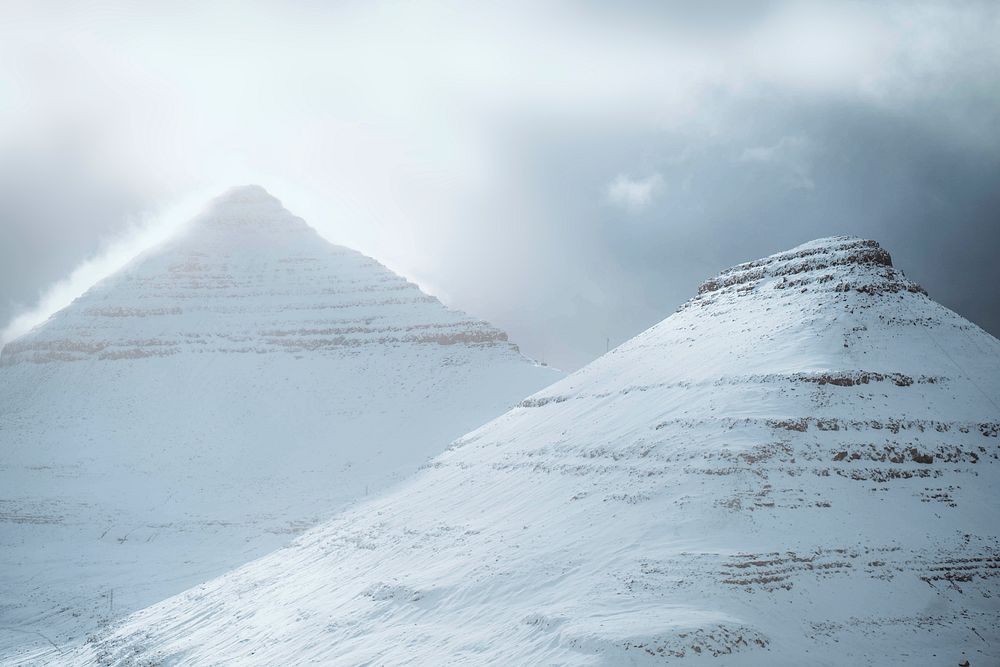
{"x": 569, "y": 171}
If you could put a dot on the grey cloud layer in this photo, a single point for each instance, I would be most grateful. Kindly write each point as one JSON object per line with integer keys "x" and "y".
{"x": 570, "y": 172}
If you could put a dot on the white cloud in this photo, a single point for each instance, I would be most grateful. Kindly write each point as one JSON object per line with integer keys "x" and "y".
{"x": 142, "y": 235}
{"x": 790, "y": 157}
{"x": 634, "y": 194}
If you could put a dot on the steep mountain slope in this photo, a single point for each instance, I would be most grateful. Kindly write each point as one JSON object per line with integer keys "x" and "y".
{"x": 797, "y": 467}
{"x": 223, "y": 392}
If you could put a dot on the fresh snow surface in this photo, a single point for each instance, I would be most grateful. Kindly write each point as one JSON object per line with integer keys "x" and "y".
{"x": 799, "y": 467}
{"x": 218, "y": 396}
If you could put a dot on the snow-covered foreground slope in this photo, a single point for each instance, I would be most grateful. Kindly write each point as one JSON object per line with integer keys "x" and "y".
{"x": 797, "y": 467}
{"x": 222, "y": 393}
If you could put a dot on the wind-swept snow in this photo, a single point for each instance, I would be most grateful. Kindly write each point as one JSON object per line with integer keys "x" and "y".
{"x": 222, "y": 393}
{"x": 797, "y": 467}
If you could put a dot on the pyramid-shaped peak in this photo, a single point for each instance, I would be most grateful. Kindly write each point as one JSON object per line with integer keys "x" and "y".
{"x": 249, "y": 208}
{"x": 248, "y": 276}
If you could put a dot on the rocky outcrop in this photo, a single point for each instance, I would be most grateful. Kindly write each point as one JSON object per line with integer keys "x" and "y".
{"x": 849, "y": 263}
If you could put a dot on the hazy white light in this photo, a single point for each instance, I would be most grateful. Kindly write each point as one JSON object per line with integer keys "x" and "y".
{"x": 142, "y": 235}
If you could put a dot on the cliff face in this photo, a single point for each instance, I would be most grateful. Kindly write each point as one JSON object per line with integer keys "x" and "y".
{"x": 220, "y": 394}
{"x": 799, "y": 466}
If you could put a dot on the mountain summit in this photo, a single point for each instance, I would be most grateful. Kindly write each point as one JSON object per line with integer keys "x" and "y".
{"x": 224, "y": 391}
{"x": 798, "y": 466}
{"x": 248, "y": 277}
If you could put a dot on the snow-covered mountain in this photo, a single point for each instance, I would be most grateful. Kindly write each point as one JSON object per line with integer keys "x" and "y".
{"x": 223, "y": 392}
{"x": 797, "y": 467}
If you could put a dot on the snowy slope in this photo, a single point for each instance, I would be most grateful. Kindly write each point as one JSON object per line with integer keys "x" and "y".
{"x": 219, "y": 395}
{"x": 797, "y": 467}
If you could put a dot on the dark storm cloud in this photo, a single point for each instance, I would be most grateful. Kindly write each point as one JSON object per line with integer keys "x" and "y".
{"x": 786, "y": 172}
{"x": 570, "y": 171}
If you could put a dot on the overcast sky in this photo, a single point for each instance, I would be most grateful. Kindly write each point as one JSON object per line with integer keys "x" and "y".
{"x": 570, "y": 171}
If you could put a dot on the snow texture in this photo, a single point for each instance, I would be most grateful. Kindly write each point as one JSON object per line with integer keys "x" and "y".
{"x": 797, "y": 467}
{"x": 215, "y": 398}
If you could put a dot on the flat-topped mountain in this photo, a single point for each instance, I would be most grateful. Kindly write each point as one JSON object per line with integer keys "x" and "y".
{"x": 797, "y": 467}
{"x": 221, "y": 393}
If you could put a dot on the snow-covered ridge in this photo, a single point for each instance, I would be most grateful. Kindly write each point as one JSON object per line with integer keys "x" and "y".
{"x": 774, "y": 474}
{"x": 223, "y": 392}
